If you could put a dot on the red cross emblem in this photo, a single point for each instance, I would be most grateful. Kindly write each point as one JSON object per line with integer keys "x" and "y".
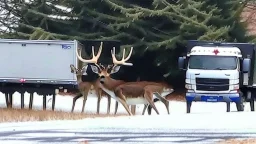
{"x": 216, "y": 51}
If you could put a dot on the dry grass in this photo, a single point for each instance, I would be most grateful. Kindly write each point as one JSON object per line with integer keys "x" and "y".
{"x": 21, "y": 115}
{"x": 83, "y": 142}
{"x": 237, "y": 141}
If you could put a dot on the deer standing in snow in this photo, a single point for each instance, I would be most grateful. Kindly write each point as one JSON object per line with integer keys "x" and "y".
{"x": 155, "y": 90}
{"x": 85, "y": 87}
{"x": 161, "y": 93}
{"x": 126, "y": 93}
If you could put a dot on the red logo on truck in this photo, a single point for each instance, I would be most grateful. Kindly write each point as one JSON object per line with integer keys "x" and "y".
{"x": 216, "y": 51}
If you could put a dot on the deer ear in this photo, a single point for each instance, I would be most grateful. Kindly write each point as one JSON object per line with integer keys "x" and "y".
{"x": 94, "y": 69}
{"x": 115, "y": 69}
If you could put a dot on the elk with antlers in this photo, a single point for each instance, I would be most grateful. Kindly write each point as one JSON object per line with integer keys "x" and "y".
{"x": 85, "y": 87}
{"x": 126, "y": 93}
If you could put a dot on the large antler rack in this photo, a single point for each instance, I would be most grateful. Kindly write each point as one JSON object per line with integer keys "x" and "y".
{"x": 94, "y": 59}
{"x": 123, "y": 60}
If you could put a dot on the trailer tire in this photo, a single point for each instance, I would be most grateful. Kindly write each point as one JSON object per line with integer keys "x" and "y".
{"x": 189, "y": 103}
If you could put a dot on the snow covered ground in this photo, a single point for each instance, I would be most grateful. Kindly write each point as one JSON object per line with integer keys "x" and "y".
{"x": 207, "y": 123}
{"x": 64, "y": 103}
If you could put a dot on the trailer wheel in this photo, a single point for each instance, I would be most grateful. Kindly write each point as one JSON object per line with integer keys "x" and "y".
{"x": 228, "y": 106}
{"x": 240, "y": 105}
{"x": 189, "y": 103}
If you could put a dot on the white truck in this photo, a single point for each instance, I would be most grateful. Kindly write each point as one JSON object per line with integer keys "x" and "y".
{"x": 41, "y": 66}
{"x": 219, "y": 72}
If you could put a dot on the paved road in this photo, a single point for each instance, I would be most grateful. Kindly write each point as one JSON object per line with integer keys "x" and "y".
{"x": 111, "y": 135}
{"x": 192, "y": 128}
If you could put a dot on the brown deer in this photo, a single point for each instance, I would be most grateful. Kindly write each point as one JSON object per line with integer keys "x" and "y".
{"x": 159, "y": 92}
{"x": 154, "y": 90}
{"x": 127, "y": 94}
{"x": 85, "y": 87}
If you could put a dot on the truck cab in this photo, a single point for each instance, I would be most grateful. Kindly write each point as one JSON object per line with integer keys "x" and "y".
{"x": 214, "y": 73}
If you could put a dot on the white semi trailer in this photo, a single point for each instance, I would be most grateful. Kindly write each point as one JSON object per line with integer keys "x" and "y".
{"x": 41, "y": 66}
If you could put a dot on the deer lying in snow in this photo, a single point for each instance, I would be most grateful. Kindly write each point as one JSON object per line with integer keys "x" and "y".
{"x": 85, "y": 87}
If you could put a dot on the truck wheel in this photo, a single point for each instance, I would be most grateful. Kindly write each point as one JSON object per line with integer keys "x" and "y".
{"x": 250, "y": 98}
{"x": 189, "y": 103}
{"x": 228, "y": 106}
{"x": 240, "y": 105}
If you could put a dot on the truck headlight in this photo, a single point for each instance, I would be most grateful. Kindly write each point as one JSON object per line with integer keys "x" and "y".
{"x": 236, "y": 87}
{"x": 188, "y": 86}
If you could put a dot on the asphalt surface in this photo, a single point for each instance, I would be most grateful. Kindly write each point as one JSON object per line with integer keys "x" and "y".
{"x": 112, "y": 135}
{"x": 187, "y": 129}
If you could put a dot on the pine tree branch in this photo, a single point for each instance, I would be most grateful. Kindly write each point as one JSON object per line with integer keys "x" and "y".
{"x": 169, "y": 43}
{"x": 104, "y": 16}
{"x": 119, "y": 7}
{"x": 215, "y": 34}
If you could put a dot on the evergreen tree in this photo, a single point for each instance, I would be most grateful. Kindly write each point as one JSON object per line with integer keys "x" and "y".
{"x": 160, "y": 26}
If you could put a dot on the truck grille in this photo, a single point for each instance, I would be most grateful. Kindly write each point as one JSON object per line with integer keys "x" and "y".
{"x": 212, "y": 84}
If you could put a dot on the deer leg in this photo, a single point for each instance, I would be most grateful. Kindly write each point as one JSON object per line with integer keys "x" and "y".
{"x": 166, "y": 103}
{"x": 149, "y": 96}
{"x": 74, "y": 101}
{"x": 99, "y": 94}
{"x": 163, "y": 100}
{"x": 109, "y": 104}
{"x": 144, "y": 109}
{"x": 116, "y": 107}
{"x": 149, "y": 109}
{"x": 122, "y": 101}
{"x": 84, "y": 100}
{"x": 98, "y": 104}
{"x": 133, "y": 109}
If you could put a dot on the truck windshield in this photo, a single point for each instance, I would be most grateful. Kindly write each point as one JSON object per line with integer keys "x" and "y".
{"x": 212, "y": 62}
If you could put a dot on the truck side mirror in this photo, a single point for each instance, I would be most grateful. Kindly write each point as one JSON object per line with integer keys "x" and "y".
{"x": 246, "y": 65}
{"x": 181, "y": 63}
